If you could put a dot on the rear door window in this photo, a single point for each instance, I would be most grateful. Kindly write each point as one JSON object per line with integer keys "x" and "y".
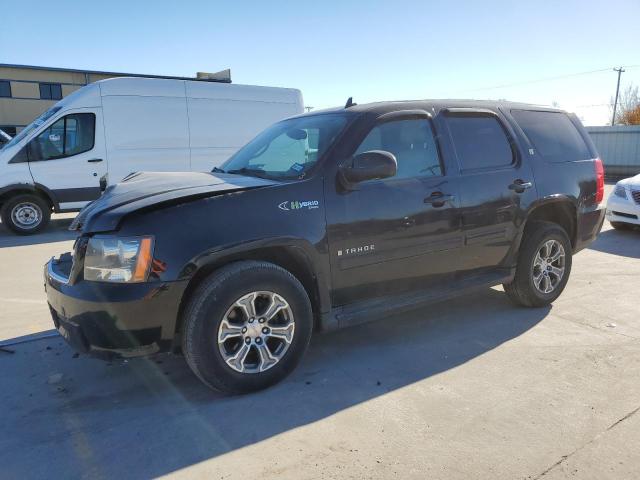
{"x": 553, "y": 135}
{"x": 480, "y": 141}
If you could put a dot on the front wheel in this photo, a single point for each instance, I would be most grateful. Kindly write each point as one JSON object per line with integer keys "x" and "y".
{"x": 246, "y": 327}
{"x": 543, "y": 268}
{"x": 25, "y": 214}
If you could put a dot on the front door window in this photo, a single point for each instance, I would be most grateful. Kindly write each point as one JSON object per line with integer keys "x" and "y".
{"x": 70, "y": 135}
{"x": 412, "y": 143}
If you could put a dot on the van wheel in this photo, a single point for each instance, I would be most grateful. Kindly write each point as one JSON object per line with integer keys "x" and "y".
{"x": 25, "y": 214}
{"x": 544, "y": 265}
{"x": 246, "y": 327}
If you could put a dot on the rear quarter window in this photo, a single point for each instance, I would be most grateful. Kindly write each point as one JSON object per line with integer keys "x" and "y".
{"x": 553, "y": 135}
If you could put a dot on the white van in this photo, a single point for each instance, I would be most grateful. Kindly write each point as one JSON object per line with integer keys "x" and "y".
{"x": 106, "y": 130}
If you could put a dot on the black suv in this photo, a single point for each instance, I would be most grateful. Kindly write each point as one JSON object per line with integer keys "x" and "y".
{"x": 327, "y": 220}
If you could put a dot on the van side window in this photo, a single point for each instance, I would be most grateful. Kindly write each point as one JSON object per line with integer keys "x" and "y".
{"x": 553, "y": 135}
{"x": 413, "y": 144}
{"x": 70, "y": 135}
{"x": 479, "y": 140}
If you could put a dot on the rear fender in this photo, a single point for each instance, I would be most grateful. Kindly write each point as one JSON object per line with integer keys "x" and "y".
{"x": 561, "y": 209}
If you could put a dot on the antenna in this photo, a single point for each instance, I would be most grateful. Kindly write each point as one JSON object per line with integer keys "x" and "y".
{"x": 349, "y": 103}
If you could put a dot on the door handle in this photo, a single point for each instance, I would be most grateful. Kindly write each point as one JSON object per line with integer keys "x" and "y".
{"x": 94, "y": 160}
{"x": 438, "y": 199}
{"x": 520, "y": 186}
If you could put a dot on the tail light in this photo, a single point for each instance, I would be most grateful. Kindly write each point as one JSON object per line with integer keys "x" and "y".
{"x": 599, "y": 181}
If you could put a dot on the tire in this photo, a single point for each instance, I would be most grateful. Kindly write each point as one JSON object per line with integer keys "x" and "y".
{"x": 26, "y": 214}
{"x": 621, "y": 225}
{"x": 523, "y": 289}
{"x": 215, "y": 300}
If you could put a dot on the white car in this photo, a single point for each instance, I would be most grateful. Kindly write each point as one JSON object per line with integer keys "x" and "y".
{"x": 623, "y": 206}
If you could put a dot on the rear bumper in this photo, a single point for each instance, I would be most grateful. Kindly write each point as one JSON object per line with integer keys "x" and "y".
{"x": 107, "y": 320}
{"x": 588, "y": 227}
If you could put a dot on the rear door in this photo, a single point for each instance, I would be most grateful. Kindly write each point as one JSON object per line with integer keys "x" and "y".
{"x": 68, "y": 157}
{"x": 496, "y": 185}
{"x": 397, "y": 234}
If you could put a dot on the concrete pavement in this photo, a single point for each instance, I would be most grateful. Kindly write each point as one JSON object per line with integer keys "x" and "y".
{"x": 471, "y": 388}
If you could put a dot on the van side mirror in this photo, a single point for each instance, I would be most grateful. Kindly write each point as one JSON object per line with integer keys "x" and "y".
{"x": 371, "y": 165}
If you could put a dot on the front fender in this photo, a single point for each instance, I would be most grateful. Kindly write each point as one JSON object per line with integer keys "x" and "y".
{"x": 276, "y": 249}
{"x": 16, "y": 188}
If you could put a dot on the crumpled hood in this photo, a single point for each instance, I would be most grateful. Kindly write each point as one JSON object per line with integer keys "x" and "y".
{"x": 148, "y": 189}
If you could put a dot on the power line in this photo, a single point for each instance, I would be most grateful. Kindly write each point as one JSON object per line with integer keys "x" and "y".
{"x": 547, "y": 79}
{"x": 594, "y": 105}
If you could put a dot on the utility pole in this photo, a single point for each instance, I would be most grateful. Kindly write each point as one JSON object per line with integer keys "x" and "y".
{"x": 615, "y": 103}
{"x": 308, "y": 109}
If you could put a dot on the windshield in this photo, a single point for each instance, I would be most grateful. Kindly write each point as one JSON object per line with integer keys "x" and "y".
{"x": 33, "y": 125}
{"x": 288, "y": 149}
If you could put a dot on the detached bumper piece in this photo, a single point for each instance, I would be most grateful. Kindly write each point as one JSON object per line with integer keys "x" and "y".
{"x": 112, "y": 320}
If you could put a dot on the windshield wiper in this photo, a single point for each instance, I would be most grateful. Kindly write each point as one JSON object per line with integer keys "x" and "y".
{"x": 217, "y": 170}
{"x": 250, "y": 172}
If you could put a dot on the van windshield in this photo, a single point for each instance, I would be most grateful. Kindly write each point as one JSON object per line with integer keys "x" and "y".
{"x": 33, "y": 125}
{"x": 288, "y": 149}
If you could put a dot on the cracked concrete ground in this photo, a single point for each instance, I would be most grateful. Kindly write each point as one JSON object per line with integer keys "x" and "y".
{"x": 471, "y": 388}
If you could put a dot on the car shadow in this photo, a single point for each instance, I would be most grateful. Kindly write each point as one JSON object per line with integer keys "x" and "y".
{"x": 625, "y": 243}
{"x": 70, "y": 416}
{"x": 56, "y": 231}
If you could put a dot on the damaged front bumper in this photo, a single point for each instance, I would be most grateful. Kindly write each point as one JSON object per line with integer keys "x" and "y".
{"x": 108, "y": 319}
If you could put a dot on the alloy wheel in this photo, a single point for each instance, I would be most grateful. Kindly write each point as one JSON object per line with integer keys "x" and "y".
{"x": 548, "y": 266}
{"x": 256, "y": 332}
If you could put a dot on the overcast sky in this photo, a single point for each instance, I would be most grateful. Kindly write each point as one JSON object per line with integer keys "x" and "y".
{"x": 335, "y": 49}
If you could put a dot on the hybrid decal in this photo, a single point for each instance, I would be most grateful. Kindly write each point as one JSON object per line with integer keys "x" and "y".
{"x": 296, "y": 205}
{"x": 357, "y": 250}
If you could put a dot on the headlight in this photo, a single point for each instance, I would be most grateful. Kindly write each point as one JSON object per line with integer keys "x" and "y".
{"x": 121, "y": 260}
{"x": 619, "y": 191}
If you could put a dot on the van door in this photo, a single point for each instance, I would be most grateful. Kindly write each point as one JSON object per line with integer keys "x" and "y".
{"x": 68, "y": 157}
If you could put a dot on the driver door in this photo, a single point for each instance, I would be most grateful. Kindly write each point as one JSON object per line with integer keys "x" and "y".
{"x": 68, "y": 158}
{"x": 397, "y": 234}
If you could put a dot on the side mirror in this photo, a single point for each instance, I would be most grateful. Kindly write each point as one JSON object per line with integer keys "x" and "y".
{"x": 371, "y": 165}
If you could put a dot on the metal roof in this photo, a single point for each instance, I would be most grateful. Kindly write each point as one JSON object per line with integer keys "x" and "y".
{"x": 117, "y": 74}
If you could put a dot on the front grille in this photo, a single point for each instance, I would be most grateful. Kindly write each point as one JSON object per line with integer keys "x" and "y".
{"x": 636, "y": 196}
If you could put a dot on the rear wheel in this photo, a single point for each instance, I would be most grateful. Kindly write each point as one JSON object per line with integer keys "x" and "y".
{"x": 247, "y": 326}
{"x": 25, "y": 214}
{"x": 543, "y": 268}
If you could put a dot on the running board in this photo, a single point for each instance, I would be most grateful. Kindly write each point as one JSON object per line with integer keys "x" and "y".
{"x": 378, "y": 308}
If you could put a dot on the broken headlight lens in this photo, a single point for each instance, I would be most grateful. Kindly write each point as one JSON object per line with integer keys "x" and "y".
{"x": 120, "y": 260}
